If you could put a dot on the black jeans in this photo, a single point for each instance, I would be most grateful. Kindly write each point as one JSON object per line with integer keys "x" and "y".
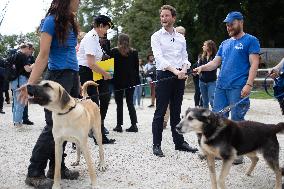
{"x": 167, "y": 92}
{"x": 44, "y": 147}
{"x": 118, "y": 95}
{"x": 26, "y": 113}
{"x": 1, "y": 93}
{"x": 86, "y": 74}
{"x": 197, "y": 94}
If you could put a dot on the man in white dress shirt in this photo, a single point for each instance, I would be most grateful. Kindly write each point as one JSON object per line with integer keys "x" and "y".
{"x": 169, "y": 49}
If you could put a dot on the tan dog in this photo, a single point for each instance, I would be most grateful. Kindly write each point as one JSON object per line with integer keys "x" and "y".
{"x": 72, "y": 121}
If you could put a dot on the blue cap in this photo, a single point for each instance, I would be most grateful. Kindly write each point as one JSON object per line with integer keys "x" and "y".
{"x": 233, "y": 16}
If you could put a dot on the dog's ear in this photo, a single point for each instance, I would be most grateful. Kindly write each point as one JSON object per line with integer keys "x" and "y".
{"x": 64, "y": 98}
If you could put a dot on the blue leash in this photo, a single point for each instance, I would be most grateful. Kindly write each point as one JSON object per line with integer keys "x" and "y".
{"x": 229, "y": 108}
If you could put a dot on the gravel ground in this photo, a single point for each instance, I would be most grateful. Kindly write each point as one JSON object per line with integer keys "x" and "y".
{"x": 130, "y": 161}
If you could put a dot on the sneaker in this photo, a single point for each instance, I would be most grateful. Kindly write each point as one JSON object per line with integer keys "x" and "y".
{"x": 39, "y": 182}
{"x": 151, "y": 106}
{"x": 18, "y": 125}
{"x": 238, "y": 160}
{"x": 28, "y": 122}
{"x": 118, "y": 128}
{"x": 2, "y": 112}
{"x": 133, "y": 128}
{"x": 65, "y": 174}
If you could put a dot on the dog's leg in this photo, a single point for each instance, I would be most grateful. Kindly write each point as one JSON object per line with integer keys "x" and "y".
{"x": 89, "y": 161}
{"x": 274, "y": 165}
{"x": 271, "y": 156}
{"x": 227, "y": 164}
{"x": 254, "y": 159}
{"x": 58, "y": 160}
{"x": 212, "y": 171}
{"x": 78, "y": 156}
{"x": 98, "y": 136}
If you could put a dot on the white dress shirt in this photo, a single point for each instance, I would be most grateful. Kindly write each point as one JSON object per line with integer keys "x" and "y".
{"x": 90, "y": 45}
{"x": 169, "y": 49}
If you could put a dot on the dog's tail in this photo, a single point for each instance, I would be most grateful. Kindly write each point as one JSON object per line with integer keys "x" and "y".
{"x": 280, "y": 128}
{"x": 85, "y": 87}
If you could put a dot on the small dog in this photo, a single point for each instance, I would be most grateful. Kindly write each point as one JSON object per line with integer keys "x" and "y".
{"x": 227, "y": 139}
{"x": 72, "y": 121}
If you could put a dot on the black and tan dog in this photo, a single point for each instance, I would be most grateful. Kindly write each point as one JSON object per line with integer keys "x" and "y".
{"x": 227, "y": 139}
{"x": 72, "y": 121}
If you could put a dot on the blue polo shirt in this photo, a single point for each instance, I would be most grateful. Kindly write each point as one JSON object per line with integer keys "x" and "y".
{"x": 61, "y": 56}
{"x": 235, "y": 61}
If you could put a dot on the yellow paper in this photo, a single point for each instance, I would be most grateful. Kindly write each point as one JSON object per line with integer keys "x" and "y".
{"x": 106, "y": 65}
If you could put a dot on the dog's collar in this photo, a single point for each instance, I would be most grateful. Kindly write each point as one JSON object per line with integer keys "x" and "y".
{"x": 70, "y": 109}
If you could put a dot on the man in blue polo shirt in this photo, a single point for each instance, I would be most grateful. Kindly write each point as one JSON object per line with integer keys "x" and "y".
{"x": 239, "y": 60}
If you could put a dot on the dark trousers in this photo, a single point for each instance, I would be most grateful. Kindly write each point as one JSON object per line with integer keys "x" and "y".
{"x": 26, "y": 113}
{"x": 197, "y": 94}
{"x": 168, "y": 92}
{"x": 118, "y": 95}
{"x": 7, "y": 96}
{"x": 1, "y": 93}
{"x": 103, "y": 89}
{"x": 44, "y": 147}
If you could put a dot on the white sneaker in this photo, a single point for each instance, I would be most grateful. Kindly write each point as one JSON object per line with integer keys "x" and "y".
{"x": 140, "y": 107}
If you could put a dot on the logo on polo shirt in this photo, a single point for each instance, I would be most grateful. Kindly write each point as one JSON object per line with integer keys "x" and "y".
{"x": 239, "y": 46}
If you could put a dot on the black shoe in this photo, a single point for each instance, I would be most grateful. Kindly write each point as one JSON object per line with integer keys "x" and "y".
{"x": 28, "y": 122}
{"x": 106, "y": 141}
{"x": 105, "y": 131}
{"x": 185, "y": 147}
{"x": 157, "y": 151}
{"x": 39, "y": 182}
{"x": 118, "y": 128}
{"x": 65, "y": 174}
{"x": 2, "y": 112}
{"x": 282, "y": 171}
{"x": 151, "y": 105}
{"x": 133, "y": 128}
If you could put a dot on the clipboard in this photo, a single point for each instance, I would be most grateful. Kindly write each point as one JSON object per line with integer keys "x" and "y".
{"x": 106, "y": 65}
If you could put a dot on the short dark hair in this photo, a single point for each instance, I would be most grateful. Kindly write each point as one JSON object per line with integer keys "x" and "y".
{"x": 104, "y": 20}
{"x": 170, "y": 8}
{"x": 148, "y": 56}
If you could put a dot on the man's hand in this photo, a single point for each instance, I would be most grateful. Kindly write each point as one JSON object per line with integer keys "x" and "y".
{"x": 197, "y": 70}
{"x": 273, "y": 73}
{"x": 246, "y": 91}
{"x": 180, "y": 74}
{"x": 23, "y": 95}
{"x": 107, "y": 76}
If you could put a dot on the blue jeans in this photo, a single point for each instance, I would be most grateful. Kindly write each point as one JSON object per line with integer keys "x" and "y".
{"x": 137, "y": 95}
{"x": 226, "y": 97}
{"x": 18, "y": 107}
{"x": 207, "y": 92}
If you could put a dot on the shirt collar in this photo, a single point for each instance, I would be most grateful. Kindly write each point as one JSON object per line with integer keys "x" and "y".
{"x": 95, "y": 34}
{"x": 164, "y": 31}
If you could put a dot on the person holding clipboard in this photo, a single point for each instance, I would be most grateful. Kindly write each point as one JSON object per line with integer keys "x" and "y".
{"x": 90, "y": 52}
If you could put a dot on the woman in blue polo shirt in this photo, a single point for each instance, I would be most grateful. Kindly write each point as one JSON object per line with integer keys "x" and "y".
{"x": 58, "y": 39}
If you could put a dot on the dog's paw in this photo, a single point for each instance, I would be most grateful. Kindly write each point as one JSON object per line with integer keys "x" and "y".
{"x": 95, "y": 186}
{"x": 102, "y": 167}
{"x": 248, "y": 174}
{"x": 76, "y": 163}
{"x": 55, "y": 186}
